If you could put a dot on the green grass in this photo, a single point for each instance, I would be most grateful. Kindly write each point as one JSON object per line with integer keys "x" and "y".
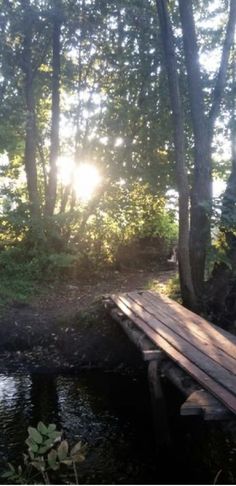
{"x": 171, "y": 288}
{"x": 15, "y": 288}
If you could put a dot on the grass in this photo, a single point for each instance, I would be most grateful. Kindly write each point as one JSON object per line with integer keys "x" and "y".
{"x": 171, "y": 288}
{"x": 16, "y": 289}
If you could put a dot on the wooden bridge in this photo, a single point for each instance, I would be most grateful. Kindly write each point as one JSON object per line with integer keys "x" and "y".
{"x": 197, "y": 356}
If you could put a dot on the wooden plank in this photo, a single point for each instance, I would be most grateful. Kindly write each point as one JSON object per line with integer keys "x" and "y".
{"x": 198, "y": 374}
{"x": 151, "y": 354}
{"x": 172, "y": 372}
{"x": 188, "y": 331}
{"x": 201, "y": 403}
{"x": 192, "y": 330}
{"x": 180, "y": 379}
{"x": 213, "y": 409}
{"x": 203, "y": 361}
{"x": 222, "y": 338}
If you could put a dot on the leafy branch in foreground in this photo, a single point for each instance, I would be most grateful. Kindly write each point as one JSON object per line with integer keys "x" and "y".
{"x": 47, "y": 452}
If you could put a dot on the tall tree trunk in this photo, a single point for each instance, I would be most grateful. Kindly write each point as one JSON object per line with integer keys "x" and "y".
{"x": 30, "y": 139}
{"x": 187, "y": 290}
{"x": 201, "y": 196}
{"x": 203, "y": 127}
{"x": 54, "y": 152}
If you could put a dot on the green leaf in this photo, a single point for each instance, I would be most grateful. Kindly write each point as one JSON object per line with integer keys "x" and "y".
{"x": 42, "y": 428}
{"x": 32, "y": 445}
{"x": 55, "y": 435}
{"x": 48, "y": 442}
{"x": 51, "y": 428}
{"x": 52, "y": 458}
{"x": 62, "y": 450}
{"x": 35, "y": 435}
{"x": 43, "y": 449}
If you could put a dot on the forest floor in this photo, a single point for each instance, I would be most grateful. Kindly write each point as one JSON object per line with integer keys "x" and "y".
{"x": 65, "y": 326}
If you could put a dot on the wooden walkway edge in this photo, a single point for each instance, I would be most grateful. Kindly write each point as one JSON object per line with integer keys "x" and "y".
{"x": 203, "y": 351}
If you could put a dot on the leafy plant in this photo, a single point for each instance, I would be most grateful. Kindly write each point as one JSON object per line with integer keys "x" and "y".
{"x": 47, "y": 453}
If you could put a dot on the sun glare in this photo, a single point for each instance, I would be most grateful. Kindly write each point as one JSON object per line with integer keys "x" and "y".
{"x": 85, "y": 178}
{"x": 86, "y": 181}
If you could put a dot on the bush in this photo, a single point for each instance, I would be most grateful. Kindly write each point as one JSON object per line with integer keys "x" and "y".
{"x": 126, "y": 220}
{"x": 126, "y": 215}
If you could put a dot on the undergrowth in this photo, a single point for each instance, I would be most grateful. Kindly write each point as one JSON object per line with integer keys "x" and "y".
{"x": 171, "y": 288}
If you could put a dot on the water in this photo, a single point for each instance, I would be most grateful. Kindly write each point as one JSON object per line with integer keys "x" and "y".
{"x": 111, "y": 413}
{"x": 101, "y": 409}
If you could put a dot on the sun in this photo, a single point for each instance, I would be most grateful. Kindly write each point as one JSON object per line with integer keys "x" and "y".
{"x": 84, "y": 178}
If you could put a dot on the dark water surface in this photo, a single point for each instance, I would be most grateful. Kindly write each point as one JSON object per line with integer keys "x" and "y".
{"x": 111, "y": 413}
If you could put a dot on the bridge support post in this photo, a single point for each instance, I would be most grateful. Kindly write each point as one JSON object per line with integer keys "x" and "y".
{"x": 160, "y": 421}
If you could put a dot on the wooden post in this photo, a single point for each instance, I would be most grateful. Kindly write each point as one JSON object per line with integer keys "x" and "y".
{"x": 161, "y": 429}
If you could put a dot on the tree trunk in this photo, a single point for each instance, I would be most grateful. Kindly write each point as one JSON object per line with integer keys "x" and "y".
{"x": 201, "y": 196}
{"x": 52, "y": 180}
{"x": 203, "y": 127}
{"x": 187, "y": 290}
{"x": 30, "y": 139}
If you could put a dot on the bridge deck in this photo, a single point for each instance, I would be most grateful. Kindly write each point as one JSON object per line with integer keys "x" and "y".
{"x": 203, "y": 350}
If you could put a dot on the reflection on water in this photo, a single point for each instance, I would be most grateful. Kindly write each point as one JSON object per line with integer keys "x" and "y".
{"x": 111, "y": 413}
{"x": 100, "y": 409}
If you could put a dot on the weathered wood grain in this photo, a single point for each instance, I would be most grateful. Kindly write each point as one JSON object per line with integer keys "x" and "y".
{"x": 172, "y": 347}
{"x": 188, "y": 330}
{"x": 175, "y": 336}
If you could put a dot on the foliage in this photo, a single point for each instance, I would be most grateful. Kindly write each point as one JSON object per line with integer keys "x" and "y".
{"x": 171, "y": 288}
{"x": 114, "y": 113}
{"x": 126, "y": 214}
{"x": 47, "y": 453}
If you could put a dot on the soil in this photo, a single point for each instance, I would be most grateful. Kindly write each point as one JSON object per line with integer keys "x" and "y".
{"x": 66, "y": 327}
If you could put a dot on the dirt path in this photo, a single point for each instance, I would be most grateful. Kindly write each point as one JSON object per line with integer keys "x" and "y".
{"x": 66, "y": 327}
{"x": 67, "y": 299}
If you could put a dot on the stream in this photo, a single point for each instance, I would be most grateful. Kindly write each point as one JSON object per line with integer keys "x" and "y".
{"x": 111, "y": 413}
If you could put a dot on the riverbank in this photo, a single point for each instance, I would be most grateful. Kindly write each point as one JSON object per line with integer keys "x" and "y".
{"x": 66, "y": 328}
{"x": 64, "y": 346}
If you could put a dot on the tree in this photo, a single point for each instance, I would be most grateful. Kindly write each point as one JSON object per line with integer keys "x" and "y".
{"x": 51, "y": 192}
{"x": 203, "y": 129}
{"x": 30, "y": 136}
{"x": 187, "y": 290}
{"x": 203, "y": 125}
